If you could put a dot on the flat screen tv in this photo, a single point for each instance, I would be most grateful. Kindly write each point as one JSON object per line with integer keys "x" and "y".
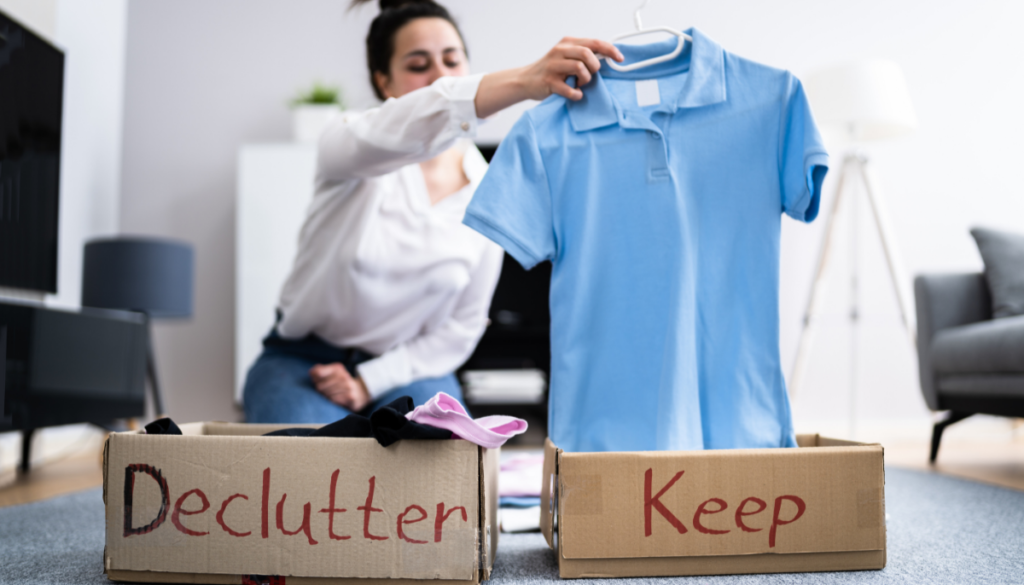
{"x": 31, "y": 98}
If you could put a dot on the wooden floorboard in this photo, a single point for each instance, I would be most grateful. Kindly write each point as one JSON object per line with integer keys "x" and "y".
{"x": 995, "y": 462}
{"x": 68, "y": 469}
{"x": 50, "y": 480}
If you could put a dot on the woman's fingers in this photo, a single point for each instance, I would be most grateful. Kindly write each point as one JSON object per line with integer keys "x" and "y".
{"x": 563, "y": 89}
{"x": 318, "y": 372}
{"x": 597, "y": 46}
{"x": 571, "y": 67}
{"x": 571, "y": 57}
{"x": 583, "y": 55}
{"x": 324, "y": 375}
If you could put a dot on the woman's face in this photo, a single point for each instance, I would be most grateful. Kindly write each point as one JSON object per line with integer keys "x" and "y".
{"x": 425, "y": 50}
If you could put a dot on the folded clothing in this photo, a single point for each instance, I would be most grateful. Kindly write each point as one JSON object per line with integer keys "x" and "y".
{"x": 442, "y": 417}
{"x": 518, "y": 501}
{"x": 521, "y": 476}
{"x": 388, "y": 424}
{"x": 443, "y": 411}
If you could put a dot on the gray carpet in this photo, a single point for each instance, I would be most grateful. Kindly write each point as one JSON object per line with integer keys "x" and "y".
{"x": 940, "y": 530}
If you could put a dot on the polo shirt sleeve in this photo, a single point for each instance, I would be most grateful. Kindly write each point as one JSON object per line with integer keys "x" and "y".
{"x": 512, "y": 204}
{"x": 803, "y": 161}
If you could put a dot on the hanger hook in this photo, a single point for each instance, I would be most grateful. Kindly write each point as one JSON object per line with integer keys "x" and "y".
{"x": 636, "y": 16}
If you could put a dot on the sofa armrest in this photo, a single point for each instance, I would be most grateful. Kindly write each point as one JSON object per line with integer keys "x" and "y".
{"x": 944, "y": 301}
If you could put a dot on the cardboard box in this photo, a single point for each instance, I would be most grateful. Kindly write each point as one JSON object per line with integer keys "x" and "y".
{"x": 223, "y": 504}
{"x": 818, "y": 507}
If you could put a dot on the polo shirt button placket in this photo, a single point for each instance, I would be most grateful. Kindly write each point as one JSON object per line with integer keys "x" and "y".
{"x": 657, "y": 157}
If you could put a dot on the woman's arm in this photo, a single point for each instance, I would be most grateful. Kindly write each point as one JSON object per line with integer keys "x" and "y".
{"x": 411, "y": 129}
{"x": 569, "y": 57}
{"x": 424, "y": 123}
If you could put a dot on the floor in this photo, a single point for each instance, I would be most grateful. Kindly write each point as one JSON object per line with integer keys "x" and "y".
{"x": 65, "y": 460}
{"x": 989, "y": 450}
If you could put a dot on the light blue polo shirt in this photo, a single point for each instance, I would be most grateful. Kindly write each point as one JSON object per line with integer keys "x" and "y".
{"x": 662, "y": 225}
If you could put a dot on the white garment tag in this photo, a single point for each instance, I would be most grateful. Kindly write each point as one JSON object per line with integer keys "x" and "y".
{"x": 647, "y": 93}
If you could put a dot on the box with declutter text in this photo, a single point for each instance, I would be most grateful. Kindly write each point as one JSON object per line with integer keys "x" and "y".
{"x": 223, "y": 504}
{"x": 817, "y": 507}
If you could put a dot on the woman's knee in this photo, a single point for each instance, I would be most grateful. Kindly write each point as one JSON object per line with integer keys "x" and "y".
{"x": 278, "y": 390}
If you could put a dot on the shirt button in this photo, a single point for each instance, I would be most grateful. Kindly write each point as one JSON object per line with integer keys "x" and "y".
{"x": 465, "y": 126}
{"x": 654, "y": 135}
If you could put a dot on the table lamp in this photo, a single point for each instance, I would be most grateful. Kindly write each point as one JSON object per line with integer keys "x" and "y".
{"x": 148, "y": 275}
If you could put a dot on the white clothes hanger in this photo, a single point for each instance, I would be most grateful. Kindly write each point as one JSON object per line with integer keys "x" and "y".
{"x": 640, "y": 30}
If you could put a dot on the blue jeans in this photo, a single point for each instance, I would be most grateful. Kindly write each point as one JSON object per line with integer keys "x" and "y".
{"x": 278, "y": 388}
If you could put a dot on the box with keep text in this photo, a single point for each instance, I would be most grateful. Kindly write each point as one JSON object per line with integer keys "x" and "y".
{"x": 224, "y": 504}
{"x": 817, "y": 507}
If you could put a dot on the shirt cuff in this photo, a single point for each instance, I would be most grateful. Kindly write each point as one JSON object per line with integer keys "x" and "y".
{"x": 462, "y": 93}
{"x": 488, "y": 229}
{"x": 806, "y": 208}
{"x": 387, "y": 372}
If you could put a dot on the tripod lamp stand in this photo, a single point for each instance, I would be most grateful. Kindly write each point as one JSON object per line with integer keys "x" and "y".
{"x": 859, "y": 102}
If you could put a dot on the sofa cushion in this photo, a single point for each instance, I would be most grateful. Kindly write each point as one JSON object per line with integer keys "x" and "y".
{"x": 989, "y": 347}
{"x": 1003, "y": 254}
{"x": 989, "y": 385}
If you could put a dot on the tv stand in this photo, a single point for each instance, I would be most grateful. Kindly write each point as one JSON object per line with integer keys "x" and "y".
{"x": 62, "y": 367}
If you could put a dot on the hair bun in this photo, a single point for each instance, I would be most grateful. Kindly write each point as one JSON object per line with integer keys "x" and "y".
{"x": 391, "y": 4}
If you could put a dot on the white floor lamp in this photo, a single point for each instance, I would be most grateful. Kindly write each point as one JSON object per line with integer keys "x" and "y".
{"x": 860, "y": 102}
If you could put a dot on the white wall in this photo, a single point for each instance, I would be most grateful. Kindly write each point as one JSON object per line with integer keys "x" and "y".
{"x": 92, "y": 35}
{"x": 205, "y": 77}
{"x": 39, "y": 15}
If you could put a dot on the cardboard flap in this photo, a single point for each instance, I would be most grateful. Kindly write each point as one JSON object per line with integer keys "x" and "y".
{"x": 489, "y": 529}
{"x": 548, "y": 492}
{"x": 726, "y": 502}
{"x": 247, "y": 429}
{"x": 189, "y": 429}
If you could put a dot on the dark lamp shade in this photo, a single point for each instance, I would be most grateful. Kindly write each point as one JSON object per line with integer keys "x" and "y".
{"x": 154, "y": 276}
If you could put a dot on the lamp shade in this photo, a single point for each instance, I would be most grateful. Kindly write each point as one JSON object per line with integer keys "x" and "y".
{"x": 150, "y": 275}
{"x": 865, "y": 100}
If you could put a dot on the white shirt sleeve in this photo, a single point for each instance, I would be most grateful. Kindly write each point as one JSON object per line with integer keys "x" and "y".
{"x": 411, "y": 129}
{"x": 440, "y": 351}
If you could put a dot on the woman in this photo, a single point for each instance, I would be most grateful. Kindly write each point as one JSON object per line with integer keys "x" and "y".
{"x": 389, "y": 292}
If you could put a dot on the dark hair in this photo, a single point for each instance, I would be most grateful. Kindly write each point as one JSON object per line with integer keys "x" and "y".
{"x": 394, "y": 14}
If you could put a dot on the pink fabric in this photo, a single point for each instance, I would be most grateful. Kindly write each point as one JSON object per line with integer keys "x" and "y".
{"x": 521, "y": 476}
{"x": 444, "y": 412}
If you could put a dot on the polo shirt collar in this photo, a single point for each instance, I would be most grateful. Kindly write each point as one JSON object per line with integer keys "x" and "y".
{"x": 704, "y": 84}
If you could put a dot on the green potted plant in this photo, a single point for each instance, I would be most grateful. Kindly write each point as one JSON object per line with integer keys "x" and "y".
{"x": 313, "y": 109}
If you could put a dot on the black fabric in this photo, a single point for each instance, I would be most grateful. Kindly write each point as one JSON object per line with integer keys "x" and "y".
{"x": 293, "y": 432}
{"x": 315, "y": 349}
{"x": 162, "y": 426}
{"x": 390, "y": 425}
{"x": 353, "y": 425}
{"x": 387, "y": 424}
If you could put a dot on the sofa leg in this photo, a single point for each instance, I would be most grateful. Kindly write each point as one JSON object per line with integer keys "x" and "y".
{"x": 953, "y": 417}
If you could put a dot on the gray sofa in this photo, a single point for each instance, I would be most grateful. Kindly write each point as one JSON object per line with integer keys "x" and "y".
{"x": 969, "y": 362}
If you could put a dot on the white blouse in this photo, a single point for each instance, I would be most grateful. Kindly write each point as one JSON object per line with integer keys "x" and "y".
{"x": 381, "y": 269}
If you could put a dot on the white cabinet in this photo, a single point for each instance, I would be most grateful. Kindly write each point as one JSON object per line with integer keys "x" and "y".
{"x": 275, "y": 186}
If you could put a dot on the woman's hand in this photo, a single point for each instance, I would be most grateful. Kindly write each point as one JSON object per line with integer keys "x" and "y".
{"x": 334, "y": 382}
{"x": 569, "y": 57}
